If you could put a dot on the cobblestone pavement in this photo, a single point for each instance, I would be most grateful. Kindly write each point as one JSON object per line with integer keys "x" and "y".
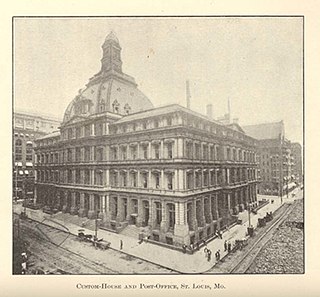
{"x": 284, "y": 252}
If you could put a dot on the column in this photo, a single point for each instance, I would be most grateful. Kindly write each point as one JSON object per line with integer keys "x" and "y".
{"x": 107, "y": 128}
{"x": 180, "y": 185}
{"x": 180, "y": 148}
{"x": 202, "y": 217}
{"x": 152, "y": 216}
{"x": 181, "y": 228}
{"x": 92, "y": 177}
{"x": 236, "y": 203}
{"x": 91, "y": 212}
{"x": 129, "y": 209}
{"x": 107, "y": 178}
{"x": 82, "y": 154}
{"x": 208, "y": 209}
{"x": 149, "y": 179}
{"x": 65, "y": 197}
{"x": 228, "y": 176}
{"x": 162, "y": 179}
{"x": 140, "y": 213}
{"x": 73, "y": 209}
{"x": 92, "y": 153}
{"x": 35, "y": 200}
{"x": 102, "y": 207}
{"x": 162, "y": 154}
{"x": 138, "y": 179}
{"x": 92, "y": 129}
{"x": 176, "y": 183}
{"x": 164, "y": 224}
{"x": 82, "y": 210}
{"x": 120, "y": 212}
{"x": 194, "y": 220}
{"x": 107, "y": 214}
{"x": 149, "y": 150}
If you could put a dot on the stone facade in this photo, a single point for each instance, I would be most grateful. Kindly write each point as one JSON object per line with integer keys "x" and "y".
{"x": 173, "y": 171}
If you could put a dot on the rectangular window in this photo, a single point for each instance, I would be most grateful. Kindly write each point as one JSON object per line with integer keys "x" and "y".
{"x": 87, "y": 154}
{"x": 156, "y": 151}
{"x": 124, "y": 153}
{"x": 78, "y": 132}
{"x": 114, "y": 153}
{"x": 169, "y": 180}
{"x": 87, "y": 130}
{"x": 145, "y": 151}
{"x": 133, "y": 152}
{"x": 170, "y": 150}
{"x": 145, "y": 180}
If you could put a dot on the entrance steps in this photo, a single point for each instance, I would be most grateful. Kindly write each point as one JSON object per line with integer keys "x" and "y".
{"x": 76, "y": 220}
{"x": 134, "y": 231}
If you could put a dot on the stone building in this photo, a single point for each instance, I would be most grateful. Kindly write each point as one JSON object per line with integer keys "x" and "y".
{"x": 177, "y": 173}
{"x": 274, "y": 158}
{"x": 27, "y": 127}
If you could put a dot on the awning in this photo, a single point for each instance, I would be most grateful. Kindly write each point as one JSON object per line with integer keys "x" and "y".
{"x": 18, "y": 164}
{"x": 26, "y": 172}
{"x": 21, "y": 172}
{"x": 29, "y": 142}
{"x": 29, "y": 164}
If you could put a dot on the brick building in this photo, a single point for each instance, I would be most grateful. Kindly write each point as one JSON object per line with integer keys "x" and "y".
{"x": 27, "y": 127}
{"x": 177, "y": 173}
{"x": 274, "y": 157}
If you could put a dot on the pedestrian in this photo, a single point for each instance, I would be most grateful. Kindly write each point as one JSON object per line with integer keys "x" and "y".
{"x": 121, "y": 244}
{"x": 225, "y": 245}
{"x": 218, "y": 255}
{"x": 184, "y": 248}
{"x": 229, "y": 247}
{"x": 209, "y": 255}
{"x": 205, "y": 251}
{"x": 220, "y": 234}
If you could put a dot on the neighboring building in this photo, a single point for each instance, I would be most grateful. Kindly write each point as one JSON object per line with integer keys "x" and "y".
{"x": 274, "y": 158}
{"x": 177, "y": 173}
{"x": 296, "y": 151}
{"x": 26, "y": 128}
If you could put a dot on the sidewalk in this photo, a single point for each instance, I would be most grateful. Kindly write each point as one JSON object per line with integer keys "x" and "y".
{"x": 168, "y": 258}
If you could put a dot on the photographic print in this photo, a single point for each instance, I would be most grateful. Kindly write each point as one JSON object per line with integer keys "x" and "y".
{"x": 158, "y": 145}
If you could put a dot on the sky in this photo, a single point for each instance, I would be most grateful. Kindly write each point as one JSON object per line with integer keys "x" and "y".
{"x": 256, "y": 63}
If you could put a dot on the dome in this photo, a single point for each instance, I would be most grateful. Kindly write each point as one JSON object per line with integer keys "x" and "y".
{"x": 112, "y": 95}
{"x": 109, "y": 90}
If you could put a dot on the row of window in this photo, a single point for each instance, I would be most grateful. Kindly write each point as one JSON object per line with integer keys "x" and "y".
{"x": 156, "y": 150}
{"x": 145, "y": 179}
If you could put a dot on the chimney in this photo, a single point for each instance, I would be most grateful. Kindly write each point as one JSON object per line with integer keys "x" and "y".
{"x": 209, "y": 111}
{"x": 188, "y": 94}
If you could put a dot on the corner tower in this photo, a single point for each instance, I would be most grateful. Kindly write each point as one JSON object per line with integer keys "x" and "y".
{"x": 111, "y": 59}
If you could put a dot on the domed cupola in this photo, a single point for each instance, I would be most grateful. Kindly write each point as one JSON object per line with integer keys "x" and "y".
{"x": 111, "y": 59}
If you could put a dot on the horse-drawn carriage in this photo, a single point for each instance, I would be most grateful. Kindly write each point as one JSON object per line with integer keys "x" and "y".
{"x": 99, "y": 243}
{"x": 240, "y": 243}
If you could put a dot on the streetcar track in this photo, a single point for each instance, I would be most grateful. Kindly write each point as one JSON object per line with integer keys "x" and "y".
{"x": 97, "y": 267}
{"x": 245, "y": 262}
{"x": 84, "y": 261}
